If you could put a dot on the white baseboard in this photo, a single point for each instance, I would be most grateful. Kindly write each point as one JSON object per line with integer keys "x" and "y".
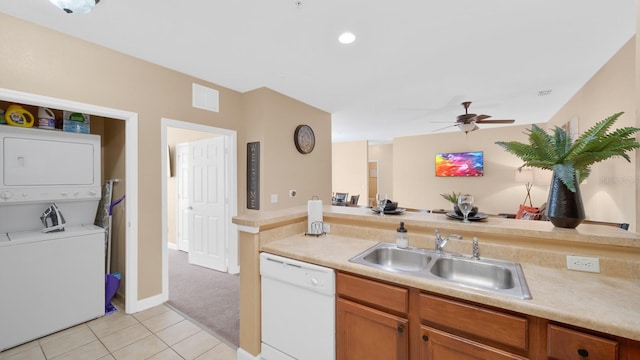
{"x": 243, "y": 355}
{"x": 148, "y": 303}
{"x": 233, "y": 270}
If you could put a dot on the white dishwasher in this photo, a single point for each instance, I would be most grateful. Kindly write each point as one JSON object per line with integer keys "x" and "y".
{"x": 298, "y": 310}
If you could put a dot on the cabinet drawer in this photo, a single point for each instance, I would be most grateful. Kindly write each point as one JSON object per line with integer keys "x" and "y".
{"x": 483, "y": 323}
{"x": 371, "y": 292}
{"x": 569, "y": 344}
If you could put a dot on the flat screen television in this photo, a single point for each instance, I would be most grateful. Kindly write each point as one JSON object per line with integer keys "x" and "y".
{"x": 470, "y": 163}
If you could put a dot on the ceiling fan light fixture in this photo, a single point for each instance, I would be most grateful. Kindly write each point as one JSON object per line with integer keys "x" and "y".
{"x": 467, "y": 127}
{"x": 347, "y": 38}
{"x": 75, "y": 6}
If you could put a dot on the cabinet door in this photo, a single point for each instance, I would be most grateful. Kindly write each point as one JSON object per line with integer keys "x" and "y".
{"x": 366, "y": 333}
{"x": 567, "y": 344}
{"x": 438, "y": 345}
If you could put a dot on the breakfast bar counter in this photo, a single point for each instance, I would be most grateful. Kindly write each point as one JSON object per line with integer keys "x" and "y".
{"x": 607, "y": 302}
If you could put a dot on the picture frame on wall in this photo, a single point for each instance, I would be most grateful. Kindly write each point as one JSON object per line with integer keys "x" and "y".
{"x": 460, "y": 164}
{"x": 253, "y": 175}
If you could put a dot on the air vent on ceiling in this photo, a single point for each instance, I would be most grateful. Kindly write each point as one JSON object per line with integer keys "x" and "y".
{"x": 544, "y": 92}
{"x": 205, "y": 98}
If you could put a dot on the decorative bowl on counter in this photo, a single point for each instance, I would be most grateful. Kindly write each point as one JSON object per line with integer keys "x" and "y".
{"x": 390, "y": 205}
{"x": 474, "y": 211}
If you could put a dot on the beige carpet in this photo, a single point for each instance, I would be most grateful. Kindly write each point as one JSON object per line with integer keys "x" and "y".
{"x": 208, "y": 297}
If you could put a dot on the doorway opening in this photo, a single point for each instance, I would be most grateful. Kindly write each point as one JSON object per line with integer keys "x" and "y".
{"x": 373, "y": 183}
{"x": 194, "y": 165}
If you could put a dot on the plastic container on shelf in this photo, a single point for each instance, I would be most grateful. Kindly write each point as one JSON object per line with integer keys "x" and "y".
{"x": 46, "y": 119}
{"x": 76, "y": 122}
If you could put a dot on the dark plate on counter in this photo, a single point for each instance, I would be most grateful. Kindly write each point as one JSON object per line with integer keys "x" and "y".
{"x": 477, "y": 217}
{"x": 396, "y": 211}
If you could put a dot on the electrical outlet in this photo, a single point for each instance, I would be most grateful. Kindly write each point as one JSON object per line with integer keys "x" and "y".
{"x": 326, "y": 228}
{"x": 292, "y": 193}
{"x": 274, "y": 198}
{"x": 581, "y": 263}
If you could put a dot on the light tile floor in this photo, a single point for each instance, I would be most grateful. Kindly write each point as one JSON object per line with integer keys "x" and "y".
{"x": 159, "y": 333}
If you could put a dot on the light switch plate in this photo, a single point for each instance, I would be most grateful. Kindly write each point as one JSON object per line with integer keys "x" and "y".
{"x": 582, "y": 263}
{"x": 274, "y": 198}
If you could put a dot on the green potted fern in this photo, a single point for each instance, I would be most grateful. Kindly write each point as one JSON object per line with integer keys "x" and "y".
{"x": 571, "y": 162}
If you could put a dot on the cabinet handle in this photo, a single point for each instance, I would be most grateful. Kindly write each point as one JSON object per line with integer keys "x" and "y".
{"x": 425, "y": 338}
{"x": 400, "y": 329}
{"x": 583, "y": 353}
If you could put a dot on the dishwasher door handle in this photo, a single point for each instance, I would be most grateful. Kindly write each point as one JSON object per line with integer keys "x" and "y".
{"x": 284, "y": 263}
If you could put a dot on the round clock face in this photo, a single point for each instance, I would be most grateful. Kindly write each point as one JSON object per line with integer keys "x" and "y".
{"x": 304, "y": 139}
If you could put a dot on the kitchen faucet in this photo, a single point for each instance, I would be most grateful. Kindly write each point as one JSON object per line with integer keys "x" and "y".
{"x": 440, "y": 242}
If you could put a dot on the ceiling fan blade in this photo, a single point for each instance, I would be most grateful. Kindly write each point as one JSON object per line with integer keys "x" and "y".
{"x": 465, "y": 118}
{"x": 446, "y": 127}
{"x": 495, "y": 121}
{"x": 479, "y": 118}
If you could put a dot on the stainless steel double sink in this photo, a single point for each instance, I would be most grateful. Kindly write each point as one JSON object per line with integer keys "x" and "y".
{"x": 502, "y": 277}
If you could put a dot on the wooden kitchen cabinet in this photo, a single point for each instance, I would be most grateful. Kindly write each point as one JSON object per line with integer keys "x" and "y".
{"x": 371, "y": 320}
{"x": 498, "y": 329}
{"x": 568, "y": 344}
{"x": 367, "y": 333}
{"x": 460, "y": 331}
{"x": 379, "y": 320}
{"x": 438, "y": 344}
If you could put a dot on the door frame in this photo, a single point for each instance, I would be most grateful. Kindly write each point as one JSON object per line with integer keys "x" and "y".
{"x": 132, "y": 303}
{"x": 180, "y": 147}
{"x": 232, "y": 193}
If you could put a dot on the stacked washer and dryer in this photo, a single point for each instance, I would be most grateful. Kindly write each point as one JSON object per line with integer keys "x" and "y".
{"x": 51, "y": 275}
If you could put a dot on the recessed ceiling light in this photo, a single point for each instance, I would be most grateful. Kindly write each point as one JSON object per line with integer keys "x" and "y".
{"x": 346, "y": 38}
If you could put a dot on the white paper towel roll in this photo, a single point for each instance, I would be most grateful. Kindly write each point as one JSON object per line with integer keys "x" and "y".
{"x": 314, "y": 213}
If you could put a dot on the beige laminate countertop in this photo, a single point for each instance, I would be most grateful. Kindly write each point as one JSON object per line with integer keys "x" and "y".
{"x": 592, "y": 301}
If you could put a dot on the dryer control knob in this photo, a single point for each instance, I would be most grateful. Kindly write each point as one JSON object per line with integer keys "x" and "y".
{"x": 6, "y": 195}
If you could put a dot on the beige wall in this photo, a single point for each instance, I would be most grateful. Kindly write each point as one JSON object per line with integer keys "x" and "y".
{"x": 350, "y": 173}
{"x": 612, "y": 183}
{"x": 416, "y": 186}
{"x": 40, "y": 61}
{"x": 636, "y": 198}
{"x": 272, "y": 119}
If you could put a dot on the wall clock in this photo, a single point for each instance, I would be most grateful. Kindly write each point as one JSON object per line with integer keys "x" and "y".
{"x": 304, "y": 139}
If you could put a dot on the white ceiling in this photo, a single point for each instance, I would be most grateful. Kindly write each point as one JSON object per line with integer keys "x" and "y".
{"x": 412, "y": 65}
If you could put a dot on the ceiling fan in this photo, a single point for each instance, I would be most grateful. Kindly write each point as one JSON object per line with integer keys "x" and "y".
{"x": 468, "y": 122}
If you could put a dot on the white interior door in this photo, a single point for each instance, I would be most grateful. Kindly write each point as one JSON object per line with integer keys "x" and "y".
{"x": 182, "y": 173}
{"x": 207, "y": 203}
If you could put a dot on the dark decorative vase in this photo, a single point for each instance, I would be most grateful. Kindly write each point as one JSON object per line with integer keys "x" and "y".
{"x": 564, "y": 207}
